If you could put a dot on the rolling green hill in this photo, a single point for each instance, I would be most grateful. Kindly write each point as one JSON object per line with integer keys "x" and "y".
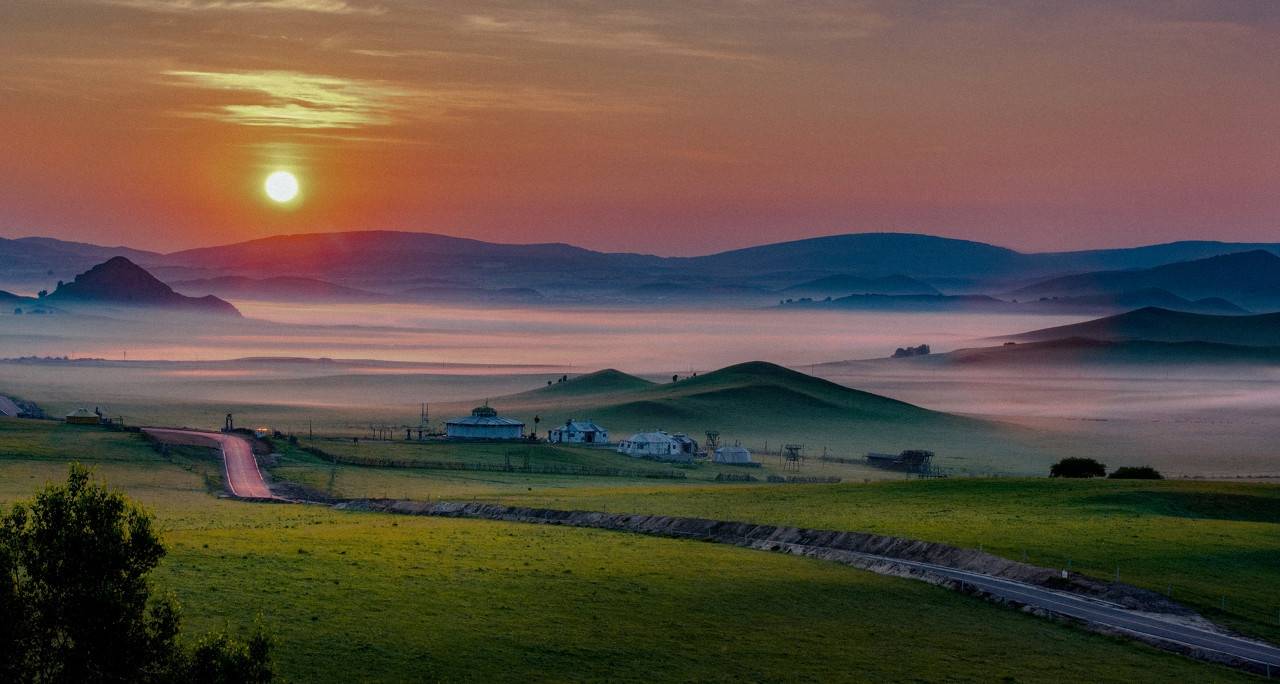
{"x": 601, "y": 382}
{"x": 756, "y": 403}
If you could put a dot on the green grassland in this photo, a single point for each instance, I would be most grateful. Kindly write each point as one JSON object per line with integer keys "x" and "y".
{"x": 1202, "y": 541}
{"x": 362, "y": 597}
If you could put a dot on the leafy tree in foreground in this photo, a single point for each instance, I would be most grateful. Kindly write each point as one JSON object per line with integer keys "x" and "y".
{"x": 1078, "y": 468}
{"x": 75, "y": 605}
{"x": 1135, "y": 473}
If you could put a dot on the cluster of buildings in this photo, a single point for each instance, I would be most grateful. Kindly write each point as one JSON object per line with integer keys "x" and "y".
{"x": 484, "y": 423}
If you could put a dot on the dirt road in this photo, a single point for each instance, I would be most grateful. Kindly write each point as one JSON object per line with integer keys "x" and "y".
{"x": 241, "y": 468}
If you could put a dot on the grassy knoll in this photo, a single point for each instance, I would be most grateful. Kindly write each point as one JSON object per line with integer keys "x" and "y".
{"x": 355, "y": 596}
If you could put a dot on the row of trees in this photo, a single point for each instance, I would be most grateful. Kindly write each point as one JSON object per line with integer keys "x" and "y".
{"x": 1088, "y": 467}
{"x": 75, "y": 604}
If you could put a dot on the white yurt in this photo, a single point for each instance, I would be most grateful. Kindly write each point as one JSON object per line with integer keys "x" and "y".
{"x": 484, "y": 423}
{"x": 733, "y": 455}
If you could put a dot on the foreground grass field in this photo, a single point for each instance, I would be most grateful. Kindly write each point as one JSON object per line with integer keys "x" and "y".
{"x": 364, "y": 597}
{"x": 1213, "y": 545}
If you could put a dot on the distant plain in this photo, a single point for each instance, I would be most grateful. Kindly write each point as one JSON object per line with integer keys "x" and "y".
{"x": 1191, "y": 421}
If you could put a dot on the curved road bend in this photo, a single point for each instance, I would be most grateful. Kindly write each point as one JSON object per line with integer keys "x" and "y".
{"x": 241, "y": 468}
{"x": 1264, "y": 657}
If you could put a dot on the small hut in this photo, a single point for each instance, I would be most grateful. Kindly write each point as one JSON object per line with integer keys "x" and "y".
{"x": 657, "y": 444}
{"x": 578, "y": 432}
{"x": 83, "y": 416}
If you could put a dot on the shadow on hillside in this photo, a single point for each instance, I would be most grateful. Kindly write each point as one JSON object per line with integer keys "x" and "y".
{"x": 1214, "y": 506}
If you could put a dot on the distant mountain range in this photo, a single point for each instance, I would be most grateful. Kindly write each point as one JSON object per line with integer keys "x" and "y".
{"x": 1162, "y": 325}
{"x": 1076, "y": 351}
{"x": 1100, "y": 303}
{"x": 1250, "y": 278}
{"x": 394, "y": 263}
{"x": 119, "y": 281}
{"x": 285, "y": 288}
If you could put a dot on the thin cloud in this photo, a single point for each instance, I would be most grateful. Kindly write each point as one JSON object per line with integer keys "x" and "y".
{"x": 307, "y": 101}
{"x": 297, "y": 100}
{"x": 316, "y": 6}
{"x": 607, "y": 33}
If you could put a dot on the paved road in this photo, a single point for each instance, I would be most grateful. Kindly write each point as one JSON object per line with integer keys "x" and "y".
{"x": 1093, "y": 610}
{"x": 241, "y": 468}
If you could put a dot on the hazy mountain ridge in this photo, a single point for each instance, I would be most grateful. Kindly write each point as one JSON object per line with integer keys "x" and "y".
{"x": 1162, "y": 325}
{"x": 1249, "y": 278}
{"x": 33, "y": 263}
{"x": 390, "y": 263}
{"x": 120, "y": 281}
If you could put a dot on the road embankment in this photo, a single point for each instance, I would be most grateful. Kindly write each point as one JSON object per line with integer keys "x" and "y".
{"x": 1107, "y": 607}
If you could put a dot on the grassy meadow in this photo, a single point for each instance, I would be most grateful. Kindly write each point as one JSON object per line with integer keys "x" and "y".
{"x": 1202, "y": 541}
{"x": 362, "y": 597}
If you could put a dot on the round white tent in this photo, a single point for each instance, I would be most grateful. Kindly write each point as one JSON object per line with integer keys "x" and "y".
{"x": 733, "y": 455}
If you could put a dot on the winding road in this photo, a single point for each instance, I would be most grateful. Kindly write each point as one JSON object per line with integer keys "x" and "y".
{"x": 1263, "y": 658}
{"x": 241, "y": 468}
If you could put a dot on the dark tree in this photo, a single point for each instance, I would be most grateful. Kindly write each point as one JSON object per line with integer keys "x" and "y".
{"x": 1138, "y": 473}
{"x": 75, "y": 605}
{"x": 1078, "y": 468}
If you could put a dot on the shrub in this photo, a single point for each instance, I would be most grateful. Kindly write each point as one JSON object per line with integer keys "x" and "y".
{"x": 1078, "y": 468}
{"x": 1138, "y": 473}
{"x": 75, "y": 604}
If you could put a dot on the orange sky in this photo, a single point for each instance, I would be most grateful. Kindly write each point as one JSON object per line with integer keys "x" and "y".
{"x": 667, "y": 127}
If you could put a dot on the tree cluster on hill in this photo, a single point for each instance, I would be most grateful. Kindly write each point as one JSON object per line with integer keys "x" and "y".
{"x": 75, "y": 604}
{"x": 1078, "y": 468}
{"x": 1088, "y": 467}
{"x": 904, "y": 352}
{"x": 1135, "y": 473}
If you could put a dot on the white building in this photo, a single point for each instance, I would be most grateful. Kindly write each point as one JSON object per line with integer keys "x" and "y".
{"x": 656, "y": 444}
{"x": 578, "y": 432}
{"x": 484, "y": 423}
{"x": 734, "y": 455}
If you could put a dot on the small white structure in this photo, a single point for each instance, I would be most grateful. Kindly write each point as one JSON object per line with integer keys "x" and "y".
{"x": 578, "y": 432}
{"x": 484, "y": 423}
{"x": 688, "y": 445}
{"x": 656, "y": 444}
{"x": 733, "y": 455}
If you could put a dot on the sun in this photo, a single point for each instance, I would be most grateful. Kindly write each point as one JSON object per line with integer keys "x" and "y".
{"x": 281, "y": 186}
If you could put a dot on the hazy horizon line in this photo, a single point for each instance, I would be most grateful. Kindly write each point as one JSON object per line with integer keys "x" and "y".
{"x": 437, "y": 233}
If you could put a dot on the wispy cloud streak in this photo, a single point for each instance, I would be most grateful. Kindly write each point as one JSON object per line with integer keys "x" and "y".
{"x": 297, "y": 100}
{"x": 610, "y": 32}
{"x": 308, "y": 101}
{"x": 315, "y": 6}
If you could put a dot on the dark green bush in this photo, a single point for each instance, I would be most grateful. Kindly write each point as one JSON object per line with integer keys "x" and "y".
{"x": 75, "y": 604}
{"x": 1078, "y": 468}
{"x": 1135, "y": 473}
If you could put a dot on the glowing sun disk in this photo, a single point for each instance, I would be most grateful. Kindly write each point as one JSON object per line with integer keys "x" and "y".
{"x": 281, "y": 186}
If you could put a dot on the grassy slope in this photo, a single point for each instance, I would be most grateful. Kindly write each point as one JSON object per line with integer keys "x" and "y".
{"x": 370, "y": 597}
{"x": 1203, "y": 540}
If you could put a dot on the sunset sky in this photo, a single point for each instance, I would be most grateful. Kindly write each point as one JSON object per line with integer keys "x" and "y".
{"x": 676, "y": 127}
